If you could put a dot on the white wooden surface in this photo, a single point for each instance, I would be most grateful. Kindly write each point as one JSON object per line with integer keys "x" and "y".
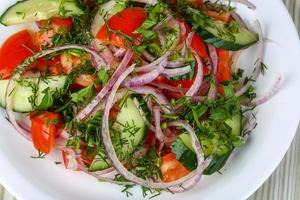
{"x": 284, "y": 184}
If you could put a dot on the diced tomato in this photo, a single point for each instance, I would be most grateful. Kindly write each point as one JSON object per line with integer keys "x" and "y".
{"x": 14, "y": 51}
{"x": 52, "y": 66}
{"x": 172, "y": 169}
{"x": 56, "y": 25}
{"x": 44, "y": 128}
{"x": 224, "y": 73}
{"x": 127, "y": 21}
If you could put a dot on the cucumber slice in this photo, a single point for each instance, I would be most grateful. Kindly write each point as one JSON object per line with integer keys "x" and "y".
{"x": 110, "y": 8}
{"x": 34, "y": 10}
{"x": 130, "y": 124}
{"x": 185, "y": 153}
{"x": 241, "y": 39}
{"x": 23, "y": 91}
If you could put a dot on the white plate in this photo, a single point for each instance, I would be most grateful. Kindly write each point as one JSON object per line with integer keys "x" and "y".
{"x": 31, "y": 179}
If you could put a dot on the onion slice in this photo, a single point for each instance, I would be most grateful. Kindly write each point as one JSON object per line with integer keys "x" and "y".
{"x": 147, "y": 77}
{"x": 169, "y": 73}
{"x": 119, "y": 166}
{"x": 158, "y": 96}
{"x": 89, "y": 108}
{"x": 199, "y": 76}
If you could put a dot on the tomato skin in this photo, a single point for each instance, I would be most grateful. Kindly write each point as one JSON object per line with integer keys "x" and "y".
{"x": 44, "y": 131}
{"x": 14, "y": 51}
{"x": 127, "y": 21}
{"x": 53, "y": 65}
{"x": 224, "y": 73}
{"x": 172, "y": 169}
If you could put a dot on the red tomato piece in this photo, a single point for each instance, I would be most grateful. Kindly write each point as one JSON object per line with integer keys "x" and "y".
{"x": 224, "y": 73}
{"x": 55, "y": 26}
{"x": 44, "y": 129}
{"x": 14, "y": 51}
{"x": 172, "y": 169}
{"x": 127, "y": 21}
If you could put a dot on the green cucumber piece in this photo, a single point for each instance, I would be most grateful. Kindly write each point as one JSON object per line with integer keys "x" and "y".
{"x": 33, "y": 10}
{"x": 219, "y": 36}
{"x": 22, "y": 92}
{"x": 185, "y": 153}
{"x": 130, "y": 124}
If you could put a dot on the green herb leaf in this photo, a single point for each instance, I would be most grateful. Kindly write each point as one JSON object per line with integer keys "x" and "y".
{"x": 47, "y": 100}
{"x": 82, "y": 95}
{"x": 103, "y": 76}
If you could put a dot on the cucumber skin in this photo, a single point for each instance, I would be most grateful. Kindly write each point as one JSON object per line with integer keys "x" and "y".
{"x": 220, "y": 43}
{"x": 186, "y": 155}
{"x": 62, "y": 86}
{"x": 98, "y": 163}
{"x": 2, "y": 17}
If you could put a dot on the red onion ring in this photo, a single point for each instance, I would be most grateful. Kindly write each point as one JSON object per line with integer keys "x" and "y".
{"x": 159, "y": 97}
{"x": 23, "y": 66}
{"x": 119, "y": 166}
{"x": 199, "y": 76}
{"x": 147, "y": 77}
{"x": 214, "y": 63}
{"x": 158, "y": 132}
{"x": 148, "y": 56}
{"x": 169, "y": 73}
{"x": 263, "y": 99}
{"x": 89, "y": 108}
{"x": 120, "y": 53}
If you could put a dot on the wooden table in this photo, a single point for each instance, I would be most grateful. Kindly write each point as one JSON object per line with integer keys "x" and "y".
{"x": 284, "y": 183}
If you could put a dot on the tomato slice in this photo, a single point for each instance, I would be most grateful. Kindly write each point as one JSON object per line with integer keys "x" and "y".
{"x": 44, "y": 129}
{"x": 224, "y": 73}
{"x": 14, "y": 51}
{"x": 172, "y": 169}
{"x": 127, "y": 21}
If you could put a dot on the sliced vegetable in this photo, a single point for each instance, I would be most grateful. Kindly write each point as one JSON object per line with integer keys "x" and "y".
{"x": 120, "y": 28}
{"x": 172, "y": 169}
{"x": 236, "y": 40}
{"x": 182, "y": 147}
{"x": 109, "y": 9}
{"x": 129, "y": 127}
{"x": 31, "y": 91}
{"x": 34, "y": 10}
{"x": 15, "y": 50}
{"x": 44, "y": 128}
